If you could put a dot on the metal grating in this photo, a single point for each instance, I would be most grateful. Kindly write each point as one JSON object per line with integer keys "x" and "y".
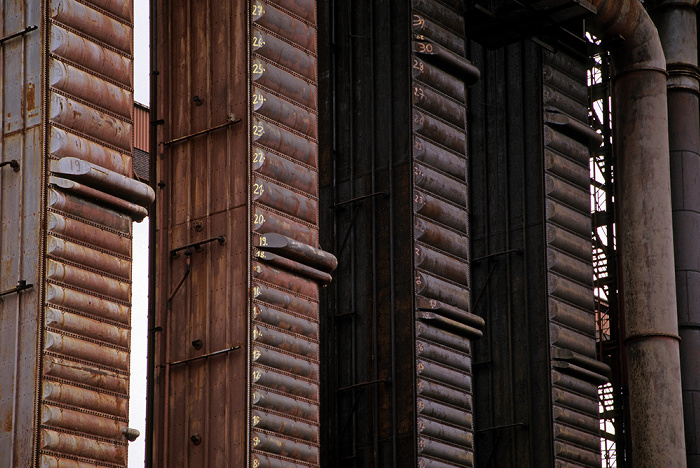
{"x": 575, "y": 371}
{"x": 444, "y": 323}
{"x": 612, "y": 440}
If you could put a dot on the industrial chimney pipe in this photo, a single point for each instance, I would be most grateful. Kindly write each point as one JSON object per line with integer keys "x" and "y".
{"x": 677, "y": 23}
{"x": 645, "y": 235}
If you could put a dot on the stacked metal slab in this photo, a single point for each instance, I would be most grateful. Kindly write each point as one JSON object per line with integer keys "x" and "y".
{"x": 576, "y": 373}
{"x": 89, "y": 202}
{"x": 287, "y": 266}
{"x": 444, "y": 323}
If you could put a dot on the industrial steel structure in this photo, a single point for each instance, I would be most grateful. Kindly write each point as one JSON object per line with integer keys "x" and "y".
{"x": 431, "y": 233}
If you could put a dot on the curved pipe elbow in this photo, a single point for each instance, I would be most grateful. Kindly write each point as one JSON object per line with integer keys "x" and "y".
{"x": 635, "y": 43}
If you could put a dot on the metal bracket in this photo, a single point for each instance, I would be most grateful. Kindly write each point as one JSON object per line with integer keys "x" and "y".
{"x": 363, "y": 197}
{"x": 20, "y": 33}
{"x": 503, "y": 426}
{"x": 21, "y": 286}
{"x": 197, "y": 245}
{"x": 196, "y": 358}
{"x": 13, "y": 163}
{"x": 497, "y": 254}
{"x": 188, "y": 265}
{"x": 364, "y": 384}
{"x": 231, "y": 120}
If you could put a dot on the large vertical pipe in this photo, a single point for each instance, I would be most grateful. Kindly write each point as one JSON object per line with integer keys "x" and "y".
{"x": 676, "y": 21}
{"x": 645, "y": 236}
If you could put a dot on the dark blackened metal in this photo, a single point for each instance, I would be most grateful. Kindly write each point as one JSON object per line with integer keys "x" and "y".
{"x": 203, "y": 356}
{"x": 439, "y": 158}
{"x": 198, "y": 245}
{"x": 21, "y": 286}
{"x": 360, "y": 198}
{"x": 446, "y": 59}
{"x": 298, "y": 251}
{"x": 231, "y": 120}
{"x": 13, "y": 163}
{"x": 19, "y": 33}
{"x": 295, "y": 267}
{"x": 288, "y": 268}
{"x": 422, "y": 26}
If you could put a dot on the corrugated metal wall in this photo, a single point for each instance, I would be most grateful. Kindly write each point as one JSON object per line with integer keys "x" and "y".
{"x": 576, "y": 373}
{"x": 532, "y": 235}
{"x": 444, "y": 322}
{"x": 74, "y": 77}
{"x": 21, "y": 214}
{"x": 237, "y": 353}
{"x": 398, "y": 325}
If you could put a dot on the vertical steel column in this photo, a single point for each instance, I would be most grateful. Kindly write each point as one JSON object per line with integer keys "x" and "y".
{"x": 238, "y": 344}
{"x": 575, "y": 373}
{"x": 646, "y": 237}
{"x": 445, "y": 324}
{"x": 67, "y": 120}
{"x": 678, "y": 31}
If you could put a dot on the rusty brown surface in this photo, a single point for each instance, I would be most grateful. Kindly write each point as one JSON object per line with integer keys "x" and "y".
{"x": 83, "y": 251}
{"x": 258, "y": 405}
{"x": 444, "y": 323}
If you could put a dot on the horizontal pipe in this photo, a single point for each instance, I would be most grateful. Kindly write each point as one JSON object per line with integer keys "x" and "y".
{"x": 99, "y": 59}
{"x": 285, "y": 300}
{"x": 63, "y": 144}
{"x": 285, "y": 405}
{"x": 92, "y": 22}
{"x": 300, "y": 346}
{"x": 425, "y": 99}
{"x": 78, "y": 446}
{"x": 444, "y": 356}
{"x": 80, "y": 397}
{"x": 105, "y": 180}
{"x": 285, "y": 321}
{"x": 284, "y": 83}
{"x": 442, "y": 337}
{"x": 284, "y": 25}
{"x": 284, "y": 447}
{"x": 279, "y": 51}
{"x": 288, "y": 201}
{"x": 85, "y": 374}
{"x": 285, "y": 362}
{"x": 68, "y": 202}
{"x": 449, "y": 395}
{"x": 439, "y": 158}
{"x": 285, "y": 171}
{"x": 283, "y": 425}
{"x": 294, "y": 267}
{"x": 284, "y": 383}
{"x": 90, "y": 121}
{"x": 445, "y": 413}
{"x": 304, "y": 253}
{"x": 422, "y": 26}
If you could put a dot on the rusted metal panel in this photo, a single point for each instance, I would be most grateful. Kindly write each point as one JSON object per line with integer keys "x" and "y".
{"x": 64, "y": 144}
{"x": 142, "y": 127}
{"x": 21, "y": 208}
{"x": 444, "y": 323}
{"x": 76, "y": 236}
{"x": 288, "y": 237}
{"x": 575, "y": 371}
{"x": 253, "y": 182}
